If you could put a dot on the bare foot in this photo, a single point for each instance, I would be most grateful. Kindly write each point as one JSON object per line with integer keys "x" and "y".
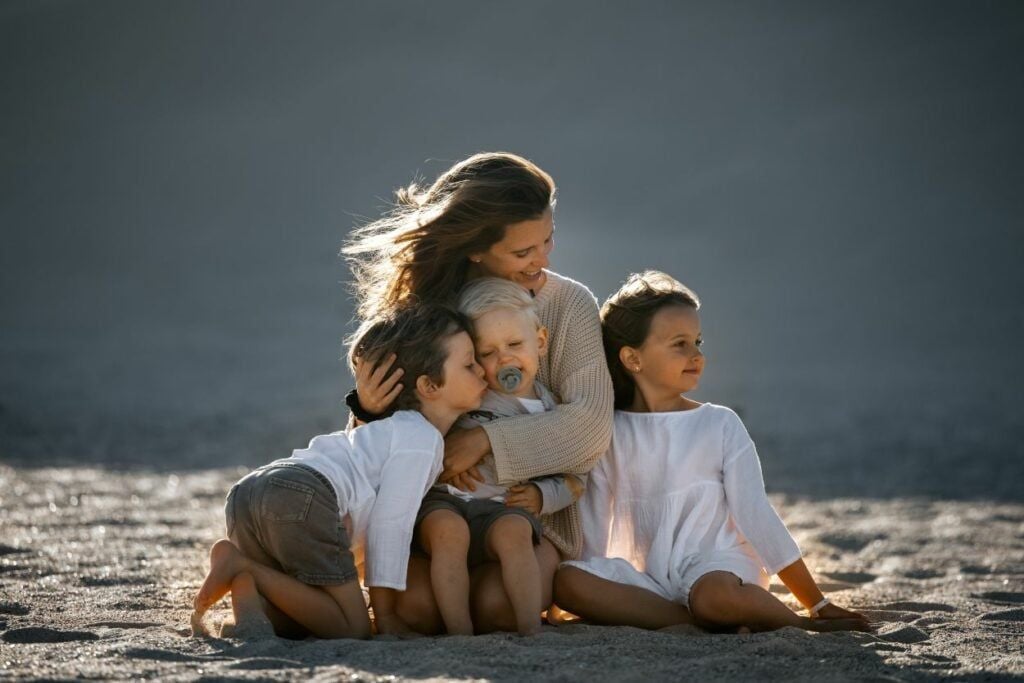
{"x": 556, "y": 616}
{"x": 225, "y": 563}
{"x": 251, "y": 621}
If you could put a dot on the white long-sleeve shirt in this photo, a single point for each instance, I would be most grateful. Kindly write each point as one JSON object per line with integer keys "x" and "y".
{"x": 677, "y": 495}
{"x": 380, "y": 472}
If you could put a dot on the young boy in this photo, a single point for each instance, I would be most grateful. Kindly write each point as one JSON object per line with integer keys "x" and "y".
{"x": 461, "y": 529}
{"x": 292, "y": 525}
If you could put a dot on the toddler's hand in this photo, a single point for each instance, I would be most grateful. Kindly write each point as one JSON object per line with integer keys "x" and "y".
{"x": 526, "y": 496}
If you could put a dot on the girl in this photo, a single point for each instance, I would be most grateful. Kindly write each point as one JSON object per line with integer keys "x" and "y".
{"x": 677, "y": 526}
{"x": 490, "y": 215}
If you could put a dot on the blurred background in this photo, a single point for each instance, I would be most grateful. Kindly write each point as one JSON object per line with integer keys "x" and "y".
{"x": 841, "y": 182}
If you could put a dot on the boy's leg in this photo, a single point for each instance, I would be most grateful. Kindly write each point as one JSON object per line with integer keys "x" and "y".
{"x": 510, "y": 541}
{"x": 720, "y": 598}
{"x": 251, "y": 619}
{"x": 327, "y": 611}
{"x": 444, "y": 535}
{"x": 606, "y": 602}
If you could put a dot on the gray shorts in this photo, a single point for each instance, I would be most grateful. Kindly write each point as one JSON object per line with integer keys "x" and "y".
{"x": 286, "y": 516}
{"x": 479, "y": 514}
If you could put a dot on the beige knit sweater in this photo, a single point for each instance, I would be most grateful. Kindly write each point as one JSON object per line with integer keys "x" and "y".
{"x": 572, "y": 437}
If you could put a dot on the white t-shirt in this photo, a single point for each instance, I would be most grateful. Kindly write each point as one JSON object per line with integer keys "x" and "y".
{"x": 380, "y": 472}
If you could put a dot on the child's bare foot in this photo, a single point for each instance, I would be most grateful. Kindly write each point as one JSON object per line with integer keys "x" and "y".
{"x": 225, "y": 563}
{"x": 251, "y": 621}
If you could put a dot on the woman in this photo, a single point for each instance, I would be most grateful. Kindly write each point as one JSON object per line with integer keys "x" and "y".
{"x": 490, "y": 215}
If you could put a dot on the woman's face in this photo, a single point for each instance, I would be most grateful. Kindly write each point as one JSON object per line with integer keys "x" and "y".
{"x": 522, "y": 255}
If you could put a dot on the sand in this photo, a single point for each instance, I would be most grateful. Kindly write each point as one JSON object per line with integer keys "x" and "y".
{"x": 98, "y": 566}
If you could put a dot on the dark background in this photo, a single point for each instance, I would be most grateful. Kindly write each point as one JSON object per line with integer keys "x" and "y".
{"x": 840, "y": 182}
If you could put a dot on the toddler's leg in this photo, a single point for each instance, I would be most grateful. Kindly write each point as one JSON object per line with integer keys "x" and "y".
{"x": 510, "y": 541}
{"x": 328, "y": 611}
{"x": 721, "y": 599}
{"x": 607, "y": 602}
{"x": 444, "y": 534}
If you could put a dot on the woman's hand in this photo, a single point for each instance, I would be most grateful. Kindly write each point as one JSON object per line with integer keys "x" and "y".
{"x": 376, "y": 388}
{"x": 526, "y": 496}
{"x": 463, "y": 450}
{"x": 834, "y": 611}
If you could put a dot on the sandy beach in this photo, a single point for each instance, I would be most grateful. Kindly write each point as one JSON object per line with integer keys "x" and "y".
{"x": 97, "y": 568}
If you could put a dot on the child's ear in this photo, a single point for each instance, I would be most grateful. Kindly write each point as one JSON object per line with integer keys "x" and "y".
{"x": 542, "y": 341}
{"x": 425, "y": 388}
{"x": 629, "y": 359}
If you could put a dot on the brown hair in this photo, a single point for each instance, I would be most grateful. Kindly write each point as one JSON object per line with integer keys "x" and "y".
{"x": 417, "y": 335}
{"x": 420, "y": 251}
{"x": 626, "y": 321}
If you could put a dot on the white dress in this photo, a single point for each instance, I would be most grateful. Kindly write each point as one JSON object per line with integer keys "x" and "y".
{"x": 678, "y": 495}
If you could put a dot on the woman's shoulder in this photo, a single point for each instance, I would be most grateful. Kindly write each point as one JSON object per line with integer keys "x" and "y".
{"x": 565, "y": 293}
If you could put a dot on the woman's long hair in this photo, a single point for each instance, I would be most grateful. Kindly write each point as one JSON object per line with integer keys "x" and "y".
{"x": 420, "y": 251}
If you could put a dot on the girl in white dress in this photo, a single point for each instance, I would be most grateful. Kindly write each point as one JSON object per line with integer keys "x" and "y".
{"x": 677, "y": 526}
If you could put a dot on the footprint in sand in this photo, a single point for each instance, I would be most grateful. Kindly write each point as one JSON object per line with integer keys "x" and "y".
{"x": 97, "y": 581}
{"x": 909, "y": 606}
{"x": 903, "y": 633}
{"x": 38, "y": 634}
{"x": 852, "y": 577}
{"x": 123, "y": 624}
{"x": 13, "y": 608}
{"x": 850, "y": 541}
{"x": 1016, "y": 614}
{"x": 992, "y": 596}
{"x": 923, "y": 574}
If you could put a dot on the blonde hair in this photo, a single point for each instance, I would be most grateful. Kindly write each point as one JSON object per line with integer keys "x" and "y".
{"x": 488, "y": 294}
{"x": 420, "y": 251}
{"x": 626, "y": 321}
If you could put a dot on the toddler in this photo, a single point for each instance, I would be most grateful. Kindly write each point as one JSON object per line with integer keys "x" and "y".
{"x": 460, "y": 529}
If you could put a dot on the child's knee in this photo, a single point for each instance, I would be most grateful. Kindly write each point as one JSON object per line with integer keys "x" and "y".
{"x": 713, "y": 593}
{"x": 510, "y": 534}
{"x": 444, "y": 531}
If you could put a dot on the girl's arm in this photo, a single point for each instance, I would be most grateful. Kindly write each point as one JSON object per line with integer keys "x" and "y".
{"x": 760, "y": 523}
{"x": 748, "y": 503}
{"x": 570, "y": 438}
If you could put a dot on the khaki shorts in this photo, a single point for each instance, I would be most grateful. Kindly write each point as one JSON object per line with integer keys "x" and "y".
{"x": 286, "y": 516}
{"x": 479, "y": 514}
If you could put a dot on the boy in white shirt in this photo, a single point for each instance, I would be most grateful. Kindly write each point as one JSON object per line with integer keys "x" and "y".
{"x": 292, "y": 525}
{"x": 459, "y": 528}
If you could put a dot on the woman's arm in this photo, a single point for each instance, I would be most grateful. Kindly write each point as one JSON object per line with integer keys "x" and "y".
{"x": 570, "y": 438}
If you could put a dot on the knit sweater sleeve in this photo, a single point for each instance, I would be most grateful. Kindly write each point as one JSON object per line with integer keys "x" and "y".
{"x": 570, "y": 438}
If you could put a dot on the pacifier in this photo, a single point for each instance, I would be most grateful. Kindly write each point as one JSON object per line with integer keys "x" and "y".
{"x": 510, "y": 378}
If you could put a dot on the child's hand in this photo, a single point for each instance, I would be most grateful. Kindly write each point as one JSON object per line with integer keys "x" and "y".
{"x": 526, "y": 496}
{"x": 834, "y": 611}
{"x": 376, "y": 388}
